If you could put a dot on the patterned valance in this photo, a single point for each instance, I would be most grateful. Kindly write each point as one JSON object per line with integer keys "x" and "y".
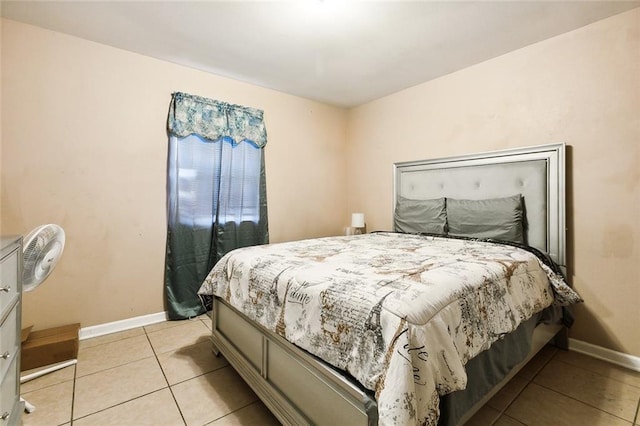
{"x": 210, "y": 119}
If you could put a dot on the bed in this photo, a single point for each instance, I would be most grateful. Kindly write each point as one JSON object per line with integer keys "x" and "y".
{"x": 393, "y": 367}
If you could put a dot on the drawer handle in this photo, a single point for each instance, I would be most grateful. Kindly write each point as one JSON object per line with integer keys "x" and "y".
{"x": 5, "y": 355}
{"x": 5, "y": 415}
{"x": 5, "y": 289}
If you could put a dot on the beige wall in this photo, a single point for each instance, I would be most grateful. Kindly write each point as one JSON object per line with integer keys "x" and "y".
{"x": 581, "y": 88}
{"x": 84, "y": 145}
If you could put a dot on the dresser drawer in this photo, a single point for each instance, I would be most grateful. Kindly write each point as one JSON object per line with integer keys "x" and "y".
{"x": 9, "y": 289}
{"x": 9, "y": 342}
{"x": 9, "y": 395}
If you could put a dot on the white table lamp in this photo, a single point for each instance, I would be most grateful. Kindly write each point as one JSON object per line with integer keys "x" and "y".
{"x": 357, "y": 223}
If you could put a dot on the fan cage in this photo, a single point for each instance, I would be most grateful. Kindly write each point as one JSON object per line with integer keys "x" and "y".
{"x": 42, "y": 250}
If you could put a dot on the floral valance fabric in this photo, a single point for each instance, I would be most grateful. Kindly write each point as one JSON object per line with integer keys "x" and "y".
{"x": 211, "y": 119}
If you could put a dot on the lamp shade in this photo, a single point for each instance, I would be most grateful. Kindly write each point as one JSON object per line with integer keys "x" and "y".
{"x": 357, "y": 220}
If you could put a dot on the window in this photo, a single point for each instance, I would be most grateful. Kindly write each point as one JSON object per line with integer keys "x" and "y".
{"x": 207, "y": 172}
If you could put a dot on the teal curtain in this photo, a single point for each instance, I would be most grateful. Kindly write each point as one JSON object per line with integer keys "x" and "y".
{"x": 216, "y": 192}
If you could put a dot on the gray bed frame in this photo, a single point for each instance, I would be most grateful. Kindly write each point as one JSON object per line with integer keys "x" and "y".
{"x": 301, "y": 389}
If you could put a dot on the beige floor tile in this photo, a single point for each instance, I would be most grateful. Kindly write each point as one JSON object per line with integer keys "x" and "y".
{"x": 214, "y": 395}
{"x": 610, "y": 395}
{"x": 507, "y": 421}
{"x": 53, "y": 405}
{"x": 189, "y": 362}
{"x": 63, "y": 375}
{"x": 508, "y": 393}
{"x": 164, "y": 325}
{"x": 207, "y": 323}
{"x": 187, "y": 333}
{"x": 107, "y": 388}
{"x": 539, "y": 406}
{"x": 254, "y": 414}
{"x": 205, "y": 316}
{"x": 536, "y": 364}
{"x": 604, "y": 368}
{"x": 95, "y": 341}
{"x": 157, "y": 408}
{"x": 485, "y": 416}
{"x": 112, "y": 354}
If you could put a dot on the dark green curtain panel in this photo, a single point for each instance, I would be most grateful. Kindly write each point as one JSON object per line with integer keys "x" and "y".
{"x": 216, "y": 193}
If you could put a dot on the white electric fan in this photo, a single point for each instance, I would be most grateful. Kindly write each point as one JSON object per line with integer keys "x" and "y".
{"x": 42, "y": 250}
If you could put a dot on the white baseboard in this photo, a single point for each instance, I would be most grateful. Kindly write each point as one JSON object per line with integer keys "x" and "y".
{"x": 122, "y": 325}
{"x": 624, "y": 360}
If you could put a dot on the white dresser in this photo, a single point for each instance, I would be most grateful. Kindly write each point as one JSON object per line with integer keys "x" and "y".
{"x": 10, "y": 320}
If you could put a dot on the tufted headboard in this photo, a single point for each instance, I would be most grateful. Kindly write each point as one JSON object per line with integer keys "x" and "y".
{"x": 538, "y": 173}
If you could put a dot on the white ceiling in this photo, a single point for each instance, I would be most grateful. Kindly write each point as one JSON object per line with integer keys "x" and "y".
{"x": 340, "y": 52}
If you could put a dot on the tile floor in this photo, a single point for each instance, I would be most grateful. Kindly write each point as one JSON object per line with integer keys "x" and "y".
{"x": 165, "y": 374}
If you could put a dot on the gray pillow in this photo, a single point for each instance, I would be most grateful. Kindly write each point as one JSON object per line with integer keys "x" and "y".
{"x": 497, "y": 218}
{"x": 420, "y": 216}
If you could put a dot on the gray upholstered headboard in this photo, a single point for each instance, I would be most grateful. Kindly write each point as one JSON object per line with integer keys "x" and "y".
{"x": 538, "y": 173}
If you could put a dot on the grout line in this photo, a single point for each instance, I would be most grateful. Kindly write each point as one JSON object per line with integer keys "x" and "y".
{"x": 97, "y": 345}
{"x": 513, "y": 419}
{"x": 494, "y": 421}
{"x": 529, "y": 382}
{"x": 532, "y": 381}
{"x": 114, "y": 367}
{"x": 155, "y": 354}
{"x": 191, "y": 378}
{"x": 120, "y": 403}
{"x": 165, "y": 376}
{"x": 118, "y": 366}
{"x": 597, "y": 372}
{"x": 504, "y": 411}
{"x": 574, "y": 398}
{"x": 73, "y": 393}
{"x": 22, "y": 392}
{"x": 174, "y": 323}
{"x": 234, "y": 411}
{"x": 166, "y": 327}
{"x": 203, "y": 374}
{"x": 140, "y": 396}
{"x": 635, "y": 418}
{"x": 581, "y": 402}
